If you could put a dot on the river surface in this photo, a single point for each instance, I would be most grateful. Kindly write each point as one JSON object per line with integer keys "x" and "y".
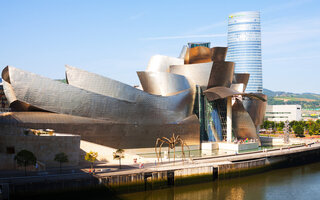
{"x": 302, "y": 182}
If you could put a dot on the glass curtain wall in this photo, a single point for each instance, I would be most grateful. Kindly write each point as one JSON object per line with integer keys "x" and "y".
{"x": 212, "y": 117}
{"x": 244, "y": 47}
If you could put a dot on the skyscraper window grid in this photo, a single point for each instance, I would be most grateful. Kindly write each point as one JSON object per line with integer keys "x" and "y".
{"x": 244, "y": 47}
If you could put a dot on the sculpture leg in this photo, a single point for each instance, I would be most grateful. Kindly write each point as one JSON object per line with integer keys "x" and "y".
{"x": 182, "y": 151}
{"x": 160, "y": 151}
{"x": 174, "y": 154}
{"x": 155, "y": 148}
{"x": 188, "y": 149}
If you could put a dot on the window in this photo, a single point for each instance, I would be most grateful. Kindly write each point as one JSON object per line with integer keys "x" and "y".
{"x": 10, "y": 150}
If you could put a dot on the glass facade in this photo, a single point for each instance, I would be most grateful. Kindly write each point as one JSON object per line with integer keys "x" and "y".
{"x": 196, "y": 44}
{"x": 212, "y": 117}
{"x": 244, "y": 47}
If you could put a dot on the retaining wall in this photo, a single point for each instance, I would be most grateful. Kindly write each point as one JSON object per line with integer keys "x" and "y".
{"x": 148, "y": 180}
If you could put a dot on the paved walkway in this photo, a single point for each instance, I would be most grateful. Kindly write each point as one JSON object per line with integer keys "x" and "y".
{"x": 214, "y": 161}
{"x": 103, "y": 170}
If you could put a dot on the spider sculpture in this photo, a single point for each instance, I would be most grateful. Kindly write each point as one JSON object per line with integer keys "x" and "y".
{"x": 172, "y": 142}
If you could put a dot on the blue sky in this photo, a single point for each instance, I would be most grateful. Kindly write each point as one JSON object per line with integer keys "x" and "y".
{"x": 117, "y": 38}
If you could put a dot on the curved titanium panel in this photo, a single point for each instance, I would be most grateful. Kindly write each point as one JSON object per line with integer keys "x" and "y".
{"x": 241, "y": 78}
{"x": 162, "y": 83}
{"x": 170, "y": 84}
{"x": 101, "y": 85}
{"x": 197, "y": 54}
{"x": 221, "y": 74}
{"x": 256, "y": 109}
{"x": 183, "y": 52}
{"x": 58, "y": 97}
{"x": 242, "y": 124}
{"x": 8, "y": 90}
{"x": 216, "y": 93}
{"x": 197, "y": 74}
{"x": 159, "y": 63}
{"x": 239, "y": 87}
{"x": 224, "y": 92}
{"x": 15, "y": 104}
{"x": 218, "y": 54}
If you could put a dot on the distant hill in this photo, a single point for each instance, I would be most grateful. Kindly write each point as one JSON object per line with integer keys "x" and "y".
{"x": 307, "y": 100}
{"x": 62, "y": 80}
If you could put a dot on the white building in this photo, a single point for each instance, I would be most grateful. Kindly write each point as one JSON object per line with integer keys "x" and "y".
{"x": 283, "y": 113}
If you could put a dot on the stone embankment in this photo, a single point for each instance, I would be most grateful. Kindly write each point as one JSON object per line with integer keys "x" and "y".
{"x": 208, "y": 169}
{"x": 178, "y": 173}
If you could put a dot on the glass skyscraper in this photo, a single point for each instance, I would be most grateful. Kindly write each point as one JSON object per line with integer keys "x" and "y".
{"x": 244, "y": 47}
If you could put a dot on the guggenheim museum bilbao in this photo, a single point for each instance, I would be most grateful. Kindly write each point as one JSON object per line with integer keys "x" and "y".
{"x": 196, "y": 95}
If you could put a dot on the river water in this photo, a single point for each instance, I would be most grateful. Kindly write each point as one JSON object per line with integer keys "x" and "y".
{"x": 302, "y": 182}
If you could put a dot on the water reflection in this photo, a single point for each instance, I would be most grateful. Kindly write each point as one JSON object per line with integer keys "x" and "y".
{"x": 301, "y": 182}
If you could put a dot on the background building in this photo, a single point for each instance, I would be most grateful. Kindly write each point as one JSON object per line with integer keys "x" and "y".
{"x": 283, "y": 113}
{"x": 244, "y": 47}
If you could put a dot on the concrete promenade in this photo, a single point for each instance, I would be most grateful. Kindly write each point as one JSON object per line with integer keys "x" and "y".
{"x": 213, "y": 161}
{"x": 112, "y": 170}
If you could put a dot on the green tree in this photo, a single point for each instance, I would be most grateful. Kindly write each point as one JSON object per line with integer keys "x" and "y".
{"x": 61, "y": 158}
{"x": 314, "y": 128}
{"x": 273, "y": 126}
{"x": 266, "y": 124}
{"x": 25, "y": 158}
{"x": 298, "y": 130}
{"x": 91, "y": 157}
{"x": 292, "y": 123}
{"x": 118, "y": 155}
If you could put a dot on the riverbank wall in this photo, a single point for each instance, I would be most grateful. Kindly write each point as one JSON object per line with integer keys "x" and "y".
{"x": 231, "y": 167}
{"x": 200, "y": 170}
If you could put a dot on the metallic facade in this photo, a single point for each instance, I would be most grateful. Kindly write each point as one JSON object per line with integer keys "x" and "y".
{"x": 163, "y": 83}
{"x": 196, "y": 74}
{"x": 49, "y": 95}
{"x": 244, "y": 43}
{"x": 95, "y": 109}
{"x": 241, "y": 78}
{"x": 197, "y": 54}
{"x": 256, "y": 109}
{"x": 216, "y": 93}
{"x": 111, "y": 134}
{"x": 242, "y": 125}
{"x": 185, "y": 95}
{"x": 218, "y": 54}
{"x": 221, "y": 74}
